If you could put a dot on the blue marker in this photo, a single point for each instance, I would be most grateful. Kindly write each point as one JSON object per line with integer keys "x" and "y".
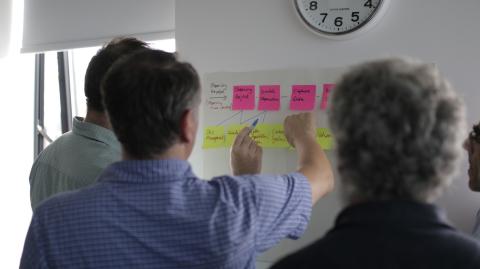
{"x": 254, "y": 124}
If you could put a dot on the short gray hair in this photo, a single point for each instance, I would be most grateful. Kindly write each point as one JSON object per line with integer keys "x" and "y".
{"x": 399, "y": 127}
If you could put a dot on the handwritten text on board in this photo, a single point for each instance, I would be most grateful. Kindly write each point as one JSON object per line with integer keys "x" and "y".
{"x": 217, "y": 96}
{"x": 269, "y": 98}
{"x": 214, "y": 137}
{"x": 243, "y": 97}
{"x": 324, "y": 138}
{"x": 278, "y": 136}
{"x": 266, "y": 135}
{"x": 262, "y": 134}
{"x": 303, "y": 97}
{"x": 232, "y": 131}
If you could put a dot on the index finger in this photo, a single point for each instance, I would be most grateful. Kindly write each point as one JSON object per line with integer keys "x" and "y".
{"x": 242, "y": 135}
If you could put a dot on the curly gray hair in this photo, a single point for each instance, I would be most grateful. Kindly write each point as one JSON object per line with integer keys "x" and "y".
{"x": 399, "y": 127}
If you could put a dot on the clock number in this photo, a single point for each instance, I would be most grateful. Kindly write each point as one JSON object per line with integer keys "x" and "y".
{"x": 338, "y": 21}
{"x": 313, "y": 5}
{"x": 324, "y": 16}
{"x": 368, "y": 4}
{"x": 355, "y": 16}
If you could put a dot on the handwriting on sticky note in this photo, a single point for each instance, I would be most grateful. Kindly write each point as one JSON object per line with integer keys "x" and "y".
{"x": 327, "y": 88}
{"x": 278, "y": 137}
{"x": 214, "y": 137}
{"x": 232, "y": 131}
{"x": 217, "y": 97}
{"x": 324, "y": 138}
{"x": 303, "y": 97}
{"x": 262, "y": 134}
{"x": 243, "y": 97}
{"x": 269, "y": 98}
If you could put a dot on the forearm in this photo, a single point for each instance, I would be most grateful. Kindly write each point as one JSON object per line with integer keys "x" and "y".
{"x": 313, "y": 163}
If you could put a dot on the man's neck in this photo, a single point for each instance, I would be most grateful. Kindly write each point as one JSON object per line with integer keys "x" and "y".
{"x": 98, "y": 118}
{"x": 176, "y": 152}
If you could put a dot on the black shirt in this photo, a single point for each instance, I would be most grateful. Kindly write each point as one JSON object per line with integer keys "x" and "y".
{"x": 389, "y": 234}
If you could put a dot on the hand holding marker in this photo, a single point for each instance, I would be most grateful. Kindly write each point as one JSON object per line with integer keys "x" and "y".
{"x": 254, "y": 124}
{"x": 246, "y": 154}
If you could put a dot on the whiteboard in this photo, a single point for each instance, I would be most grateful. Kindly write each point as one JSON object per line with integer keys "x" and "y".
{"x": 217, "y": 111}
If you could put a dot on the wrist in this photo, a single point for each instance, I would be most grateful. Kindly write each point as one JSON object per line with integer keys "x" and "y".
{"x": 305, "y": 142}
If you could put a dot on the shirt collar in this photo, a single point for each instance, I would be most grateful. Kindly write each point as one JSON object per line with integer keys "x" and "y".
{"x": 95, "y": 132}
{"x": 395, "y": 213}
{"x": 148, "y": 170}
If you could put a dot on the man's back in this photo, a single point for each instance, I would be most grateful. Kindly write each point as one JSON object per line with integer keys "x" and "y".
{"x": 157, "y": 214}
{"x": 72, "y": 161}
{"x": 395, "y": 234}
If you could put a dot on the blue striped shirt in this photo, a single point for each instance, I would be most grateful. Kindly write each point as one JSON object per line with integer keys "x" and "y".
{"x": 158, "y": 214}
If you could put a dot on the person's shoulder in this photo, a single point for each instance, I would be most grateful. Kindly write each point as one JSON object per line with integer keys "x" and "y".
{"x": 234, "y": 191}
{"x": 251, "y": 186}
{"x": 256, "y": 182}
{"x": 69, "y": 202}
{"x": 238, "y": 191}
{"x": 87, "y": 162}
{"x": 249, "y": 179}
{"x": 51, "y": 154}
{"x": 450, "y": 246}
{"x": 465, "y": 248}
{"x": 55, "y": 145}
{"x": 461, "y": 242}
{"x": 311, "y": 256}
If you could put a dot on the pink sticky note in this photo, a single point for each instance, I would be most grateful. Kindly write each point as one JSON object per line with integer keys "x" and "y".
{"x": 303, "y": 97}
{"x": 327, "y": 88}
{"x": 243, "y": 97}
{"x": 269, "y": 98}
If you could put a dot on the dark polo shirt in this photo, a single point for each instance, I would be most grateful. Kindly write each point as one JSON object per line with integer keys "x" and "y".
{"x": 389, "y": 234}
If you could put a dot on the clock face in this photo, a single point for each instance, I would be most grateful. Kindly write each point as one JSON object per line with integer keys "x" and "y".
{"x": 337, "y": 17}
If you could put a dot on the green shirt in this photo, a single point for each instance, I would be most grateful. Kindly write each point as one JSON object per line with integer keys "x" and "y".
{"x": 73, "y": 161}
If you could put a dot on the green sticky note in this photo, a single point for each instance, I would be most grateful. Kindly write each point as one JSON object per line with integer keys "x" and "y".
{"x": 278, "y": 136}
{"x": 214, "y": 137}
{"x": 232, "y": 132}
{"x": 262, "y": 134}
{"x": 324, "y": 138}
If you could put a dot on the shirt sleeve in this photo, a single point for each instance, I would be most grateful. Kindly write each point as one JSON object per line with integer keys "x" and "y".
{"x": 284, "y": 206}
{"x": 269, "y": 207}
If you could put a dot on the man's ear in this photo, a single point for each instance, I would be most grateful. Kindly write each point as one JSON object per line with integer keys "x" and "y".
{"x": 188, "y": 127}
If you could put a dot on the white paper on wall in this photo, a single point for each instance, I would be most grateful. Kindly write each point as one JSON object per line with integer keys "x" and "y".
{"x": 217, "y": 100}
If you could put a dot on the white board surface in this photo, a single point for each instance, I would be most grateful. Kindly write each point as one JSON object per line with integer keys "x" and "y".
{"x": 217, "y": 101}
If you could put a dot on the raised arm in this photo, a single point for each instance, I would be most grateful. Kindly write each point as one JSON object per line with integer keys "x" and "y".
{"x": 300, "y": 131}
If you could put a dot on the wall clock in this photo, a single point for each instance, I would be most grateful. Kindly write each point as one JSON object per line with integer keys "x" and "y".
{"x": 340, "y": 19}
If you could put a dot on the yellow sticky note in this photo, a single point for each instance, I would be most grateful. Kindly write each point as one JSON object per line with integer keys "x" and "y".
{"x": 278, "y": 136}
{"x": 324, "y": 138}
{"x": 232, "y": 132}
{"x": 214, "y": 137}
{"x": 262, "y": 134}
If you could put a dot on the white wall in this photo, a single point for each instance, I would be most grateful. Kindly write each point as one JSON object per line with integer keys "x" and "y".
{"x": 228, "y": 35}
{"x": 16, "y": 154}
{"x": 67, "y": 24}
{"x": 5, "y": 25}
{"x": 16, "y": 142}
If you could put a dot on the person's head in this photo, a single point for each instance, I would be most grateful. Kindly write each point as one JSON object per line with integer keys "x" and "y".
{"x": 398, "y": 127}
{"x": 472, "y": 146}
{"x": 99, "y": 65}
{"x": 152, "y": 101}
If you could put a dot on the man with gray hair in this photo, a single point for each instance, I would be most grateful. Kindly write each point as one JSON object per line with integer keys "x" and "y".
{"x": 398, "y": 128}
